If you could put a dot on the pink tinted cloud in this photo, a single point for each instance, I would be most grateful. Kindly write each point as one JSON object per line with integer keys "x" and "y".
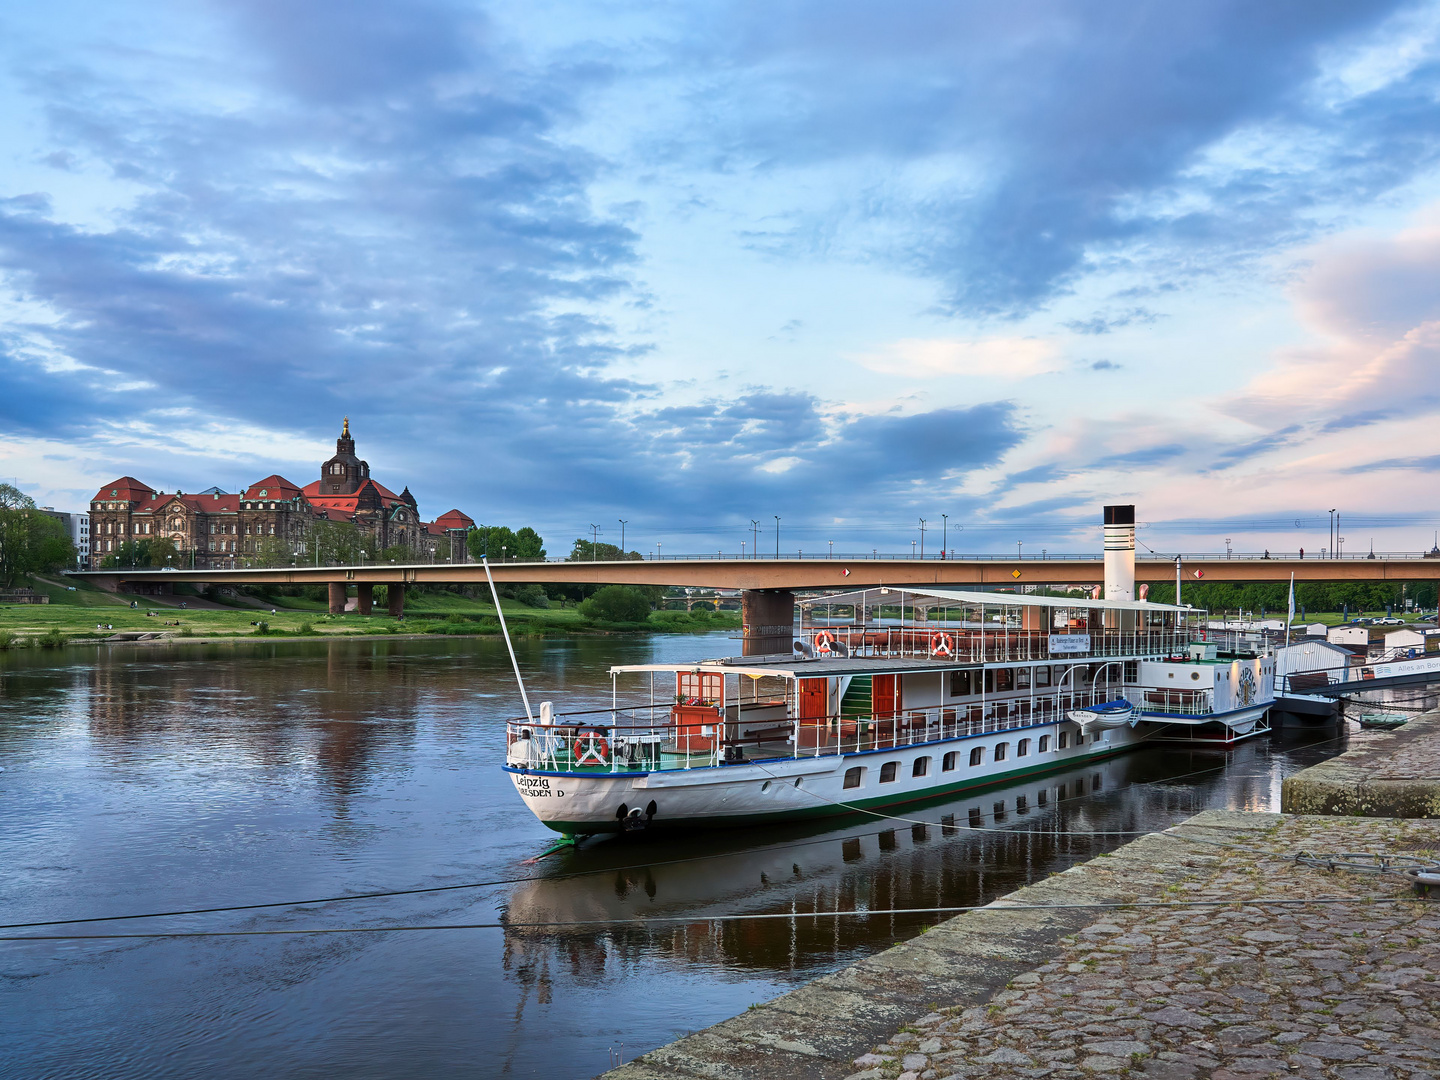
{"x": 1372, "y": 304}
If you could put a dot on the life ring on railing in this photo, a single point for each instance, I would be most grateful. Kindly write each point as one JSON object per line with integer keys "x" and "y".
{"x": 591, "y": 746}
{"x": 824, "y": 643}
{"x": 942, "y": 644}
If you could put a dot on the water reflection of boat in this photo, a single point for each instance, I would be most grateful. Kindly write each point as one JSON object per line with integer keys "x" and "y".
{"x": 802, "y": 866}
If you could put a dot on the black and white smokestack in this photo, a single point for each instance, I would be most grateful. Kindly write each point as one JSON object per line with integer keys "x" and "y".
{"x": 1119, "y": 553}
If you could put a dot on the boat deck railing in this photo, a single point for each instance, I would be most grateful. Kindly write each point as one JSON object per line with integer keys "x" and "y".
{"x": 661, "y": 738}
{"x": 1178, "y": 702}
{"x": 972, "y": 644}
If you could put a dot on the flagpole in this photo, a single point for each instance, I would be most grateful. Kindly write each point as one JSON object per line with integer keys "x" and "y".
{"x": 1290, "y": 618}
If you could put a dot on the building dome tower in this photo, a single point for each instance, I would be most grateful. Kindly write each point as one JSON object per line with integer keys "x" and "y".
{"x": 344, "y": 473}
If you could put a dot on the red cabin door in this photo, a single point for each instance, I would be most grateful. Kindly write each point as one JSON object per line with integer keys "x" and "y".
{"x": 814, "y": 706}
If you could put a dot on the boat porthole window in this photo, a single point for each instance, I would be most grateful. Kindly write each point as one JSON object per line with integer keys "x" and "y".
{"x": 1000, "y": 751}
{"x": 1064, "y": 740}
{"x": 797, "y": 781}
{"x": 1022, "y": 748}
{"x": 1044, "y": 743}
{"x": 765, "y": 786}
{"x": 948, "y": 765}
{"x": 852, "y": 777}
{"x": 1195, "y": 675}
{"x": 887, "y": 771}
{"x": 977, "y": 755}
{"x": 921, "y": 767}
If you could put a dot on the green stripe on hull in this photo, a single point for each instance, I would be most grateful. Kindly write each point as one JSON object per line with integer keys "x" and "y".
{"x": 589, "y": 828}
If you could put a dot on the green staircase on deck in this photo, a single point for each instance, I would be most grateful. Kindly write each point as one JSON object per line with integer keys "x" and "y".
{"x": 855, "y": 705}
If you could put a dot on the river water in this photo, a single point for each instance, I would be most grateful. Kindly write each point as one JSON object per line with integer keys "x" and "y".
{"x": 186, "y": 776}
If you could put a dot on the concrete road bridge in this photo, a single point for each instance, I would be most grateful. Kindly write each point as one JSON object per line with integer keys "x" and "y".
{"x": 769, "y": 585}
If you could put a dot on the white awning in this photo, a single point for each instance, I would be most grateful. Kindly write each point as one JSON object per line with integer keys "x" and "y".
{"x": 890, "y": 594}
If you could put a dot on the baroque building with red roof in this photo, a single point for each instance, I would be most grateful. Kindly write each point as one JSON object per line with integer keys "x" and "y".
{"x": 273, "y": 519}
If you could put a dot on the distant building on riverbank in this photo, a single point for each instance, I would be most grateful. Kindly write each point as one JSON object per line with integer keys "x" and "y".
{"x": 77, "y": 527}
{"x": 272, "y": 520}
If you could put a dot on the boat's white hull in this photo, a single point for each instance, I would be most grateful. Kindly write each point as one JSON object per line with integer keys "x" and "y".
{"x": 793, "y": 788}
{"x": 1237, "y": 724}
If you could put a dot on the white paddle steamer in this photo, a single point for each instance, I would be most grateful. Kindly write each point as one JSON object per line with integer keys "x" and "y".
{"x": 909, "y": 694}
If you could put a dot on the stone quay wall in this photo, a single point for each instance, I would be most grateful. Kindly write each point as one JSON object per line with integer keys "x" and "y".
{"x": 1343, "y": 991}
{"x": 1396, "y": 774}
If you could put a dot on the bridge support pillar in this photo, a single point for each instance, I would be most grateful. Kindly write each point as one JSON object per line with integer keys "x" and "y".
{"x": 395, "y": 597}
{"x": 769, "y": 618}
{"x": 364, "y": 598}
{"x": 337, "y": 598}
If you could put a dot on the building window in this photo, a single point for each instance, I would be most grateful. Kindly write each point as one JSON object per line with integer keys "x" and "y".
{"x": 1064, "y": 740}
{"x": 852, "y": 777}
{"x": 977, "y": 756}
{"x": 1022, "y": 748}
{"x": 948, "y": 764}
{"x": 887, "y": 771}
{"x": 921, "y": 767}
{"x": 1000, "y": 750}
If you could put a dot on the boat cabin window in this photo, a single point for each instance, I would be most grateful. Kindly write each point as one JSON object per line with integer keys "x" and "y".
{"x": 1042, "y": 676}
{"x": 1022, "y": 748}
{"x": 1000, "y": 750}
{"x": 990, "y": 681}
{"x": 948, "y": 764}
{"x": 921, "y": 766}
{"x": 1004, "y": 680}
{"x": 1044, "y": 744}
{"x": 1022, "y": 678}
{"x": 852, "y": 776}
{"x": 960, "y": 684}
{"x": 977, "y": 755}
{"x": 887, "y": 771}
{"x": 701, "y": 688}
{"x": 1132, "y": 671}
{"x": 1064, "y": 740}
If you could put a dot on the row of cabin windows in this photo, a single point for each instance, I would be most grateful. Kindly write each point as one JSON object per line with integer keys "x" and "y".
{"x": 1006, "y": 680}
{"x": 921, "y": 765}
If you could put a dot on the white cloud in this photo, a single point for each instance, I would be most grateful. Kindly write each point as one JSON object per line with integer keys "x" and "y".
{"x": 933, "y": 358}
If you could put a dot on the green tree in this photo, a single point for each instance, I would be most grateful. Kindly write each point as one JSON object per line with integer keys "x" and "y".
{"x": 270, "y": 551}
{"x": 497, "y": 542}
{"x": 339, "y": 543}
{"x": 590, "y": 551}
{"x": 397, "y": 553}
{"x": 618, "y": 604}
{"x": 31, "y": 541}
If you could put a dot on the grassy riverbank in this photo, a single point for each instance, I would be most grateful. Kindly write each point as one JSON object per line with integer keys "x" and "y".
{"x": 88, "y": 614}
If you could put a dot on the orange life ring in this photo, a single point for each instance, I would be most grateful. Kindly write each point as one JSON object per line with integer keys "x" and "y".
{"x": 942, "y": 644}
{"x": 591, "y": 746}
{"x": 824, "y": 642}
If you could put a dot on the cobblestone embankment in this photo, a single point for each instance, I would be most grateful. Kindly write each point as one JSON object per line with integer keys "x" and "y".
{"x": 1344, "y": 991}
{"x": 1396, "y": 774}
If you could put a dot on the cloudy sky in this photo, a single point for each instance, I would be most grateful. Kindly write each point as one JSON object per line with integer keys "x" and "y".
{"x": 853, "y": 264}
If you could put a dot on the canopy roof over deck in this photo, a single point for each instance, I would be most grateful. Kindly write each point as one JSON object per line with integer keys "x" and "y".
{"x": 986, "y": 599}
{"x": 799, "y": 668}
